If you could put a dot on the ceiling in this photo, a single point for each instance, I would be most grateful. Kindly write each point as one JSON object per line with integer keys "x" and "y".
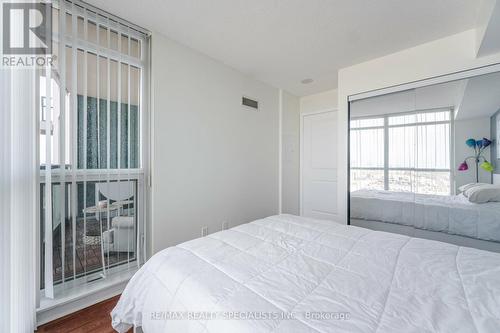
{"x": 476, "y": 97}
{"x": 282, "y": 42}
{"x": 481, "y": 97}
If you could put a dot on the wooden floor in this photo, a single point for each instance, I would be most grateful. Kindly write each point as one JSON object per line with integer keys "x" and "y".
{"x": 87, "y": 257}
{"x": 95, "y": 319}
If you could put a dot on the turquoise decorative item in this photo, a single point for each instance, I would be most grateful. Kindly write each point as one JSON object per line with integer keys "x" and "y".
{"x": 471, "y": 143}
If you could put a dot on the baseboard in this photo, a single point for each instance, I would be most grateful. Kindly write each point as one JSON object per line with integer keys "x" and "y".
{"x": 48, "y": 315}
{"x": 82, "y": 297}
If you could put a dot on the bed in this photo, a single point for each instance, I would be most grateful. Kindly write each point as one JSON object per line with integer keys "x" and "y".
{"x": 454, "y": 215}
{"x": 292, "y": 274}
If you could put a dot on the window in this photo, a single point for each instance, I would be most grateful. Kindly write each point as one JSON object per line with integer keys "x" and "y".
{"x": 367, "y": 154}
{"x": 402, "y": 152}
{"x": 93, "y": 148}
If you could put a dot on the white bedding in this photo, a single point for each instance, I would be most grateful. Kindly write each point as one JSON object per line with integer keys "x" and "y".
{"x": 450, "y": 214}
{"x": 331, "y": 277}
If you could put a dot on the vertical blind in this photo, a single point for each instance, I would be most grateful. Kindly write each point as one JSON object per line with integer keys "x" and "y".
{"x": 18, "y": 200}
{"x": 93, "y": 147}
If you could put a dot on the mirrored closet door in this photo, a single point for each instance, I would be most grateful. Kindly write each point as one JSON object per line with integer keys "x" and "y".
{"x": 423, "y": 162}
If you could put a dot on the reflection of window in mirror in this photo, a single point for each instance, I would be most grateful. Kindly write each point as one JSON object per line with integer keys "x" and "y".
{"x": 414, "y": 162}
{"x": 417, "y": 157}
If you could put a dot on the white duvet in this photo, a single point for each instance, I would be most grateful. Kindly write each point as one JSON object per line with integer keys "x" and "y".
{"x": 290, "y": 274}
{"x": 450, "y": 214}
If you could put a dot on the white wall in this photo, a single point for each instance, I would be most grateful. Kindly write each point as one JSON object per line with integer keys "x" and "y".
{"x": 212, "y": 159}
{"x": 448, "y": 55}
{"x": 488, "y": 25}
{"x": 290, "y": 153}
{"x": 324, "y": 101}
{"x": 477, "y": 128}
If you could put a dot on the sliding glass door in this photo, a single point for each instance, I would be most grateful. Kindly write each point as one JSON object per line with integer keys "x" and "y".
{"x": 93, "y": 148}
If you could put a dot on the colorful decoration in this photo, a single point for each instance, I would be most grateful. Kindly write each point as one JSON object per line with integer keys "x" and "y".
{"x": 471, "y": 143}
{"x": 486, "y": 142}
{"x": 487, "y": 166}
{"x": 479, "y": 146}
{"x": 463, "y": 166}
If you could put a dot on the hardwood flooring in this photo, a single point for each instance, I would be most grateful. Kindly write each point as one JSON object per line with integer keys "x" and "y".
{"x": 95, "y": 319}
{"x": 88, "y": 258}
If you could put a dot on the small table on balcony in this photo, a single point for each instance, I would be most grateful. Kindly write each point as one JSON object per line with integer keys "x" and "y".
{"x": 99, "y": 210}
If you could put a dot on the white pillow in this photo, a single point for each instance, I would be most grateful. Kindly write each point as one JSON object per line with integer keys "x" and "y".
{"x": 483, "y": 193}
{"x": 465, "y": 187}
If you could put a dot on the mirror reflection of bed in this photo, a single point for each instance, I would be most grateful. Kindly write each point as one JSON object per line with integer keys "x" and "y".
{"x": 424, "y": 162}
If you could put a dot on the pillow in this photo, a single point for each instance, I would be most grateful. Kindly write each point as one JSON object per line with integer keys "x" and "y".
{"x": 465, "y": 187}
{"x": 483, "y": 193}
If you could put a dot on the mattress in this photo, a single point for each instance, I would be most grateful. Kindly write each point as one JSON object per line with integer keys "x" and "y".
{"x": 450, "y": 214}
{"x": 291, "y": 274}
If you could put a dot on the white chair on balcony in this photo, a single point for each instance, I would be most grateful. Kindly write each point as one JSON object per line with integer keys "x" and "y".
{"x": 121, "y": 235}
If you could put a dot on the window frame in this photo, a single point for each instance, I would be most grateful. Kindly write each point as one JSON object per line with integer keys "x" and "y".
{"x": 141, "y": 174}
{"x": 386, "y": 128}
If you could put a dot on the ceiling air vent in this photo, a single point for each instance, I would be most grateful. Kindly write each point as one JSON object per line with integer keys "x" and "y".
{"x": 250, "y": 103}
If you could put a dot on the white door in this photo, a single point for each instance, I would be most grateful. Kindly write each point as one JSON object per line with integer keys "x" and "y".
{"x": 319, "y": 165}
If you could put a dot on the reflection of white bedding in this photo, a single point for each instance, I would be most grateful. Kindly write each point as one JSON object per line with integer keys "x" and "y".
{"x": 332, "y": 277}
{"x": 450, "y": 214}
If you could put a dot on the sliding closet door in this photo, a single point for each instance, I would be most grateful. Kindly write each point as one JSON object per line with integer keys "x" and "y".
{"x": 400, "y": 153}
{"x": 319, "y": 165}
{"x": 383, "y": 153}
